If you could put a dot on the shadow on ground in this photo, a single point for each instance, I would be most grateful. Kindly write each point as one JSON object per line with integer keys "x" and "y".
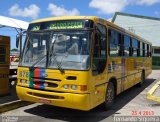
{"x": 96, "y": 114}
{"x": 12, "y": 96}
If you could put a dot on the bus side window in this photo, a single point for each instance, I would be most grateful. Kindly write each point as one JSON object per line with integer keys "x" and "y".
{"x": 99, "y": 54}
{"x": 141, "y": 49}
{"x": 138, "y": 50}
{"x": 146, "y": 50}
{"x": 135, "y": 47}
{"x": 3, "y": 55}
{"x": 113, "y": 40}
{"x": 121, "y": 44}
{"x": 127, "y": 45}
{"x": 150, "y": 50}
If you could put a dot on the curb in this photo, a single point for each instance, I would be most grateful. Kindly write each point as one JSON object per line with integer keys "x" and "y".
{"x": 150, "y": 93}
{"x": 13, "y": 105}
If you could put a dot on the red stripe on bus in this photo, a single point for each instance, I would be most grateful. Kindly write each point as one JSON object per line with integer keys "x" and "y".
{"x": 37, "y": 74}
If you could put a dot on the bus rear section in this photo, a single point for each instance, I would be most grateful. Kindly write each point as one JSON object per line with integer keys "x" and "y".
{"x": 4, "y": 64}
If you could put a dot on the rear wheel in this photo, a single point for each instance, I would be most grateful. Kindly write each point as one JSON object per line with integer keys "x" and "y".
{"x": 110, "y": 95}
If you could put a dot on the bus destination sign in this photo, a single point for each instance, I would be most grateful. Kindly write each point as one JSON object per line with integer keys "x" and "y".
{"x": 66, "y": 25}
{"x": 62, "y": 24}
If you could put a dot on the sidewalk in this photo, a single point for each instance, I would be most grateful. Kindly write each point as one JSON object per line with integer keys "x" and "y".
{"x": 153, "y": 93}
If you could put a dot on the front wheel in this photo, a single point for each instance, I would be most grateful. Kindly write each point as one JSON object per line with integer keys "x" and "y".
{"x": 109, "y": 97}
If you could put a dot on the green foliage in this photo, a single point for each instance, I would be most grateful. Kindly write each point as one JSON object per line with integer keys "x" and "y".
{"x": 14, "y": 49}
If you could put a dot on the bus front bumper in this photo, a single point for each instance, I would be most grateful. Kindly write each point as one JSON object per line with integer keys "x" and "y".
{"x": 67, "y": 100}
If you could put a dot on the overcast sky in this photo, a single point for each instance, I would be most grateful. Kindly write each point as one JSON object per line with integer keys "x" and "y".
{"x": 28, "y": 10}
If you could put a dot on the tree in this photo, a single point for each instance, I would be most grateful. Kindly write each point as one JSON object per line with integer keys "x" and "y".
{"x": 14, "y": 49}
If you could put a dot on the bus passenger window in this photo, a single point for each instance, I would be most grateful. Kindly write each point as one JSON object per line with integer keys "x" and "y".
{"x": 141, "y": 49}
{"x": 150, "y": 50}
{"x": 121, "y": 44}
{"x": 99, "y": 55}
{"x": 113, "y": 39}
{"x": 2, "y": 55}
{"x": 145, "y": 50}
{"x": 135, "y": 47}
{"x": 138, "y": 50}
{"x": 126, "y": 45}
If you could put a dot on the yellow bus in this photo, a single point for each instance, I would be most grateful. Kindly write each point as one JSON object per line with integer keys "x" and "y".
{"x": 80, "y": 62}
{"x": 4, "y": 64}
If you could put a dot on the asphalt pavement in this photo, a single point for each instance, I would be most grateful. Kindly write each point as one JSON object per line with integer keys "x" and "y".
{"x": 12, "y": 96}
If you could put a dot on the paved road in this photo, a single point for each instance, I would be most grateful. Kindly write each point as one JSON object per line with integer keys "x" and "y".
{"x": 12, "y": 96}
{"x": 128, "y": 103}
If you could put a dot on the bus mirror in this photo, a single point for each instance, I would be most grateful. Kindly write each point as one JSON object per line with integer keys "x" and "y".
{"x": 17, "y": 41}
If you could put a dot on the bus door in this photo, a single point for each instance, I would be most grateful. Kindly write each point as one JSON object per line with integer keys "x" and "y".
{"x": 99, "y": 70}
{"x": 4, "y": 64}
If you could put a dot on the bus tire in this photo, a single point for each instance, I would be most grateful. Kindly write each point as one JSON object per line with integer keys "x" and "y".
{"x": 140, "y": 84}
{"x": 109, "y": 97}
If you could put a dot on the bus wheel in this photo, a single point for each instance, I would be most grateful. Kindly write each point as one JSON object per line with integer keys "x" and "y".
{"x": 110, "y": 95}
{"x": 142, "y": 79}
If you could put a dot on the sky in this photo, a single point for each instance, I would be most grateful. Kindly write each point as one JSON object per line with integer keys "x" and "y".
{"x": 29, "y": 10}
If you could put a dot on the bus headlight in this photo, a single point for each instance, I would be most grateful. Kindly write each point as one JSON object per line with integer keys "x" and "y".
{"x": 27, "y": 82}
{"x": 22, "y": 81}
{"x": 74, "y": 87}
{"x": 66, "y": 86}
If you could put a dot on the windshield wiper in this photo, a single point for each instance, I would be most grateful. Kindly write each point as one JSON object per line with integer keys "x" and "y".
{"x": 58, "y": 64}
{"x": 39, "y": 60}
{"x": 55, "y": 59}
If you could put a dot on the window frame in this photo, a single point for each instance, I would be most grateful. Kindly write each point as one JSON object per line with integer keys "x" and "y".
{"x": 3, "y": 54}
{"x": 98, "y": 70}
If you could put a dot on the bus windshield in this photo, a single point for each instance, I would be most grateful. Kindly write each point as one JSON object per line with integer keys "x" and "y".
{"x": 61, "y": 49}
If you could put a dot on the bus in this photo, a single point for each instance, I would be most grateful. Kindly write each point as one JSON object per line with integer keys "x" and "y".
{"x": 80, "y": 62}
{"x": 4, "y": 64}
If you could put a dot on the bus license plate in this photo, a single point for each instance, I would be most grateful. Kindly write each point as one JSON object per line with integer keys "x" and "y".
{"x": 45, "y": 101}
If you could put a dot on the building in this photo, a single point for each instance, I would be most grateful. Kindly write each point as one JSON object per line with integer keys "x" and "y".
{"x": 144, "y": 26}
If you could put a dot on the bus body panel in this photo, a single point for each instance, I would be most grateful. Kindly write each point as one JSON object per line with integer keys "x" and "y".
{"x": 68, "y": 100}
{"x": 4, "y": 64}
{"x": 54, "y": 78}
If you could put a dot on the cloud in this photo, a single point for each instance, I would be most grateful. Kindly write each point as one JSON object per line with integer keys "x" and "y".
{"x": 111, "y": 6}
{"x": 147, "y": 2}
{"x": 108, "y": 6}
{"x": 30, "y": 11}
{"x": 60, "y": 11}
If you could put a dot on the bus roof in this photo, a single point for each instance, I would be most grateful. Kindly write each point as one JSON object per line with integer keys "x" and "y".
{"x": 66, "y": 18}
{"x": 95, "y": 19}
